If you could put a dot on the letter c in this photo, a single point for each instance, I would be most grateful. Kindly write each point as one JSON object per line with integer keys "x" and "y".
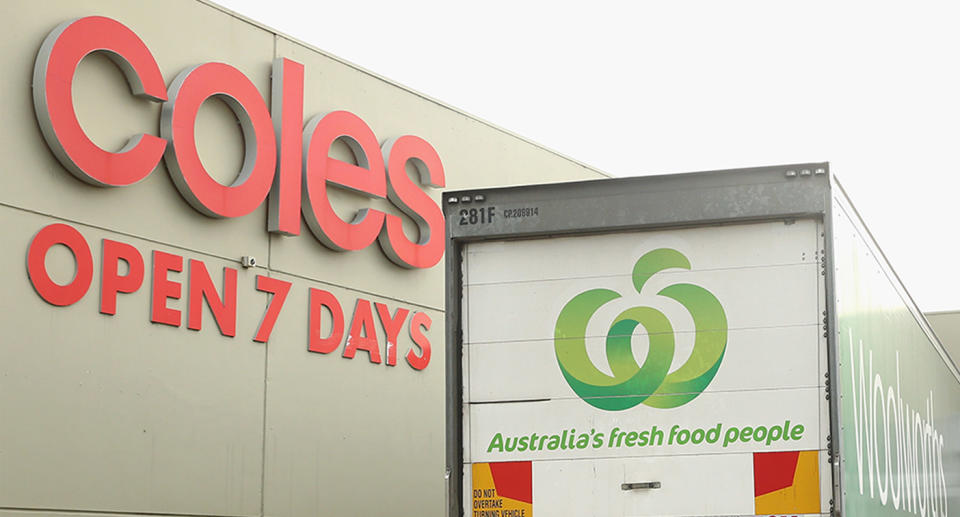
{"x": 53, "y": 72}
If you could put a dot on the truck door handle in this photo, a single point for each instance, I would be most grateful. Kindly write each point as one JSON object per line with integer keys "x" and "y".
{"x": 640, "y": 486}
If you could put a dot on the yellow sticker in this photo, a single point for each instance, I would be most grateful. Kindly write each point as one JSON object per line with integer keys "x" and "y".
{"x": 786, "y": 482}
{"x": 503, "y": 489}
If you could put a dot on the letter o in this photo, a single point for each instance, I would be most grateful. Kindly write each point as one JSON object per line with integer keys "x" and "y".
{"x": 178, "y": 125}
{"x": 695, "y": 438}
{"x": 759, "y": 436}
{"x": 50, "y": 291}
{"x": 883, "y": 479}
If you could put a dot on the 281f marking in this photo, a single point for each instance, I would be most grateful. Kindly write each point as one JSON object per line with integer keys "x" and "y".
{"x": 477, "y": 215}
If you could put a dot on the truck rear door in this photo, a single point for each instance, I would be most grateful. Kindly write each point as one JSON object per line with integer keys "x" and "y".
{"x": 673, "y": 372}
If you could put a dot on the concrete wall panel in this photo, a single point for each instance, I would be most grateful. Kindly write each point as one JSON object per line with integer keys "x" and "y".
{"x": 114, "y": 413}
{"x": 348, "y": 436}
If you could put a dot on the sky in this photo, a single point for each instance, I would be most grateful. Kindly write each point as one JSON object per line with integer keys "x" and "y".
{"x": 657, "y": 87}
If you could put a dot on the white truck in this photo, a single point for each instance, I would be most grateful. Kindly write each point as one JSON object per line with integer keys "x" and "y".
{"x": 724, "y": 343}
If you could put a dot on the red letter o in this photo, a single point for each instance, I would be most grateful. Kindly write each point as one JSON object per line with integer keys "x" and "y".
{"x": 53, "y": 293}
{"x": 177, "y": 124}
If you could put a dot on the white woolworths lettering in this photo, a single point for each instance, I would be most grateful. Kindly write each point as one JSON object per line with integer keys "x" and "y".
{"x": 917, "y": 484}
{"x": 282, "y": 161}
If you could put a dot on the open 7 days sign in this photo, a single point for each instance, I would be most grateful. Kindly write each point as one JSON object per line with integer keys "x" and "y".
{"x": 285, "y": 161}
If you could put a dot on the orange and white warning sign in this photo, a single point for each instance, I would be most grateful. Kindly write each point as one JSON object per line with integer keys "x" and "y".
{"x": 503, "y": 489}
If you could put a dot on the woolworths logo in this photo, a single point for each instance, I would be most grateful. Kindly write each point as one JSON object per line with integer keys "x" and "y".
{"x": 652, "y": 383}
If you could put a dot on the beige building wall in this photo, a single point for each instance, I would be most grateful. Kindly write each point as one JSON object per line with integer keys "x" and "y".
{"x": 114, "y": 414}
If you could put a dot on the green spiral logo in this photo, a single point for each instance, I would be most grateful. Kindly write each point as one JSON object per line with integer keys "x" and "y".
{"x": 652, "y": 383}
